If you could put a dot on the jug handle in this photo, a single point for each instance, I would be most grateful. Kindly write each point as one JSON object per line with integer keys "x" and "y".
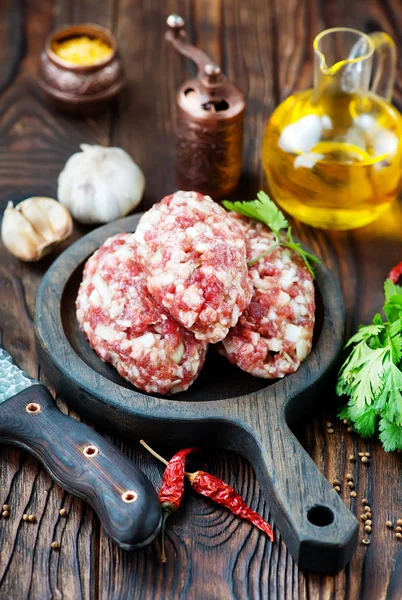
{"x": 384, "y": 77}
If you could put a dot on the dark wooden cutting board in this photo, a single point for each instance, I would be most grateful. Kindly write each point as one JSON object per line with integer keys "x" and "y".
{"x": 225, "y": 408}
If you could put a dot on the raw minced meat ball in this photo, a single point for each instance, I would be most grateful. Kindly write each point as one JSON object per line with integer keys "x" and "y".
{"x": 194, "y": 255}
{"x": 274, "y": 334}
{"x": 128, "y": 328}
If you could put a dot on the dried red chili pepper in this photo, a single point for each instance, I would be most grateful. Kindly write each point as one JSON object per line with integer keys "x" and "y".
{"x": 172, "y": 489}
{"x": 222, "y": 493}
{"x": 396, "y": 273}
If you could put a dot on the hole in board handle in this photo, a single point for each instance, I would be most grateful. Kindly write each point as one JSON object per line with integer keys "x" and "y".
{"x": 129, "y": 496}
{"x": 33, "y": 408}
{"x": 90, "y": 451}
{"x": 320, "y": 516}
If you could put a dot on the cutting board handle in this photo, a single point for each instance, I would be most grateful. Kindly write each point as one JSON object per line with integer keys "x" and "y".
{"x": 317, "y": 527}
{"x": 85, "y": 464}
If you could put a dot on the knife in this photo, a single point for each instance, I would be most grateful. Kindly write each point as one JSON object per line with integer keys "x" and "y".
{"x": 77, "y": 458}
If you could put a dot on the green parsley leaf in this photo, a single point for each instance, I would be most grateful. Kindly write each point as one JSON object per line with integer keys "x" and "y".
{"x": 364, "y": 333}
{"x": 263, "y": 209}
{"x": 390, "y": 435}
{"x": 372, "y": 377}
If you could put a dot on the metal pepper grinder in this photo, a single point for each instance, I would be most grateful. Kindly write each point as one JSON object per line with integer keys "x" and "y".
{"x": 209, "y": 132}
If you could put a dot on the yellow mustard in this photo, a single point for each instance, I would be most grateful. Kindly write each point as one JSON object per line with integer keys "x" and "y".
{"x": 82, "y": 50}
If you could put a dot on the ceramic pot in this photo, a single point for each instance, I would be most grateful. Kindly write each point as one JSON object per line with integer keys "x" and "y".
{"x": 81, "y": 89}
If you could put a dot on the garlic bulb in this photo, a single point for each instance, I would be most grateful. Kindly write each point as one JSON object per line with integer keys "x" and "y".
{"x": 100, "y": 184}
{"x": 35, "y": 227}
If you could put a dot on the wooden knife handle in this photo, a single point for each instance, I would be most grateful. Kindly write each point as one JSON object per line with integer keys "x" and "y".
{"x": 85, "y": 464}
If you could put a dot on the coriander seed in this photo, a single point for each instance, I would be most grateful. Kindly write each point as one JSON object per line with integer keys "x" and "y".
{"x": 330, "y": 430}
{"x": 365, "y": 541}
{"x": 55, "y": 545}
{"x": 63, "y": 512}
{"x": 367, "y": 454}
{"x": 31, "y": 518}
{"x": 345, "y": 421}
{"x": 349, "y": 476}
{"x": 336, "y": 482}
{"x": 398, "y": 536}
{"x": 349, "y": 429}
{"x": 353, "y": 494}
{"x": 5, "y": 514}
{"x": 25, "y": 517}
{"x": 367, "y": 529}
{"x": 364, "y": 501}
{"x": 351, "y": 485}
{"x": 329, "y": 424}
{"x": 388, "y": 524}
{"x": 6, "y": 507}
{"x": 361, "y": 454}
{"x": 399, "y": 522}
{"x": 352, "y": 458}
{"x": 368, "y": 522}
{"x": 337, "y": 489}
{"x": 398, "y": 528}
{"x": 368, "y": 515}
{"x": 363, "y": 517}
{"x": 365, "y": 460}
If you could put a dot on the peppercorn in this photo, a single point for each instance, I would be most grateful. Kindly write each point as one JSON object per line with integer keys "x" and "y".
{"x": 367, "y": 529}
{"x": 6, "y": 507}
{"x": 365, "y": 541}
{"x": 55, "y": 545}
{"x": 63, "y": 512}
{"x": 399, "y": 522}
{"x": 5, "y": 514}
{"x": 388, "y": 524}
{"x": 353, "y": 494}
{"x": 365, "y": 460}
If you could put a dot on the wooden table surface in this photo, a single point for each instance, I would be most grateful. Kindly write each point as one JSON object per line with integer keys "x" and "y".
{"x": 266, "y": 46}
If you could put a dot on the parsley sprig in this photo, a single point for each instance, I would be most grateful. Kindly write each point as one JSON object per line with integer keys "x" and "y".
{"x": 372, "y": 377}
{"x": 264, "y": 210}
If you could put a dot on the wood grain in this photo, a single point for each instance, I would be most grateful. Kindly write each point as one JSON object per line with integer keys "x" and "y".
{"x": 267, "y": 47}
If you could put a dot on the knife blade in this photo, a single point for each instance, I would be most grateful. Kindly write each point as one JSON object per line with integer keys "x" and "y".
{"x": 77, "y": 458}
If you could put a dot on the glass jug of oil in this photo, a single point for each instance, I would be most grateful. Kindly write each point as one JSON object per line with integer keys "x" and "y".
{"x": 333, "y": 154}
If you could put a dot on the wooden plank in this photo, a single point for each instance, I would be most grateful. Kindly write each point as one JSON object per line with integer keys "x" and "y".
{"x": 35, "y": 143}
{"x": 267, "y": 48}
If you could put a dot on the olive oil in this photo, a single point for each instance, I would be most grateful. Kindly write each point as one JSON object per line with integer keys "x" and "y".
{"x": 334, "y": 161}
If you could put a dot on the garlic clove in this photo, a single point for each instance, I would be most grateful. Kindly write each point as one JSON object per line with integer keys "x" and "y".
{"x": 35, "y": 227}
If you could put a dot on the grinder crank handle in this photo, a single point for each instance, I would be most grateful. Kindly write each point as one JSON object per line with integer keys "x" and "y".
{"x": 85, "y": 464}
{"x": 317, "y": 527}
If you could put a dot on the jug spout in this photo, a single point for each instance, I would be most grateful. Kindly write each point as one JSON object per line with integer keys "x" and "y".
{"x": 343, "y": 61}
